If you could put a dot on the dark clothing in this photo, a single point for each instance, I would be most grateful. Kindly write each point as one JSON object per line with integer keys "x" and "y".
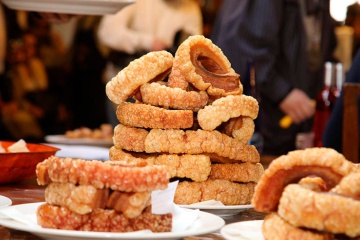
{"x": 332, "y": 137}
{"x": 271, "y": 34}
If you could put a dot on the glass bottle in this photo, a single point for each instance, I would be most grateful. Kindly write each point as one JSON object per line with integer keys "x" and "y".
{"x": 325, "y": 101}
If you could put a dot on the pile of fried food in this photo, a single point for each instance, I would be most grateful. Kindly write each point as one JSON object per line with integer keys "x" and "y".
{"x": 110, "y": 196}
{"x": 190, "y": 115}
{"x": 310, "y": 194}
{"x": 105, "y": 131}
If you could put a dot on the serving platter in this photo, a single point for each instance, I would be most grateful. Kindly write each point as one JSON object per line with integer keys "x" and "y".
{"x": 222, "y": 211}
{"x": 81, "y": 7}
{"x": 5, "y": 201}
{"x": 62, "y": 139}
{"x": 204, "y": 224}
{"x": 246, "y": 230}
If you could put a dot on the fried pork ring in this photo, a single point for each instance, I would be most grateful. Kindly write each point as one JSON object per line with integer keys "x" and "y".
{"x": 154, "y": 66}
{"x": 203, "y": 64}
{"x": 326, "y": 163}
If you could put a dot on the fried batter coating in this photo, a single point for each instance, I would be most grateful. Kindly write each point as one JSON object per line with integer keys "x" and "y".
{"x": 115, "y": 175}
{"x": 147, "y": 116}
{"x": 222, "y": 109}
{"x": 199, "y": 142}
{"x": 129, "y": 138}
{"x": 194, "y": 167}
{"x": 322, "y": 211}
{"x": 316, "y": 184}
{"x": 79, "y": 199}
{"x": 348, "y": 186}
{"x": 241, "y": 128}
{"x": 101, "y": 220}
{"x": 274, "y": 227}
{"x": 204, "y": 65}
{"x": 326, "y": 163}
{"x": 142, "y": 70}
{"x": 177, "y": 80}
{"x": 237, "y": 172}
{"x": 229, "y": 193}
{"x": 131, "y": 205}
{"x": 157, "y": 94}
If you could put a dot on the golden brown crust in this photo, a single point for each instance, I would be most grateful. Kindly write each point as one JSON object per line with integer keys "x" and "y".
{"x": 222, "y": 109}
{"x": 100, "y": 220}
{"x": 237, "y": 172}
{"x": 199, "y": 142}
{"x": 194, "y": 167}
{"x": 111, "y": 174}
{"x": 322, "y": 162}
{"x": 138, "y": 72}
{"x": 147, "y": 116}
{"x": 219, "y": 80}
{"x": 229, "y": 193}
{"x": 348, "y": 186}
{"x": 322, "y": 211}
{"x": 157, "y": 94}
{"x": 241, "y": 128}
{"x": 276, "y": 228}
{"x": 129, "y": 138}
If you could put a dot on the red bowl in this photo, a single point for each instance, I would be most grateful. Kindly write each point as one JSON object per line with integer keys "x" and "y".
{"x": 19, "y": 166}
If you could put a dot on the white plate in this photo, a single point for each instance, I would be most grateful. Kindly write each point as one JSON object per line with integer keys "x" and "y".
{"x": 247, "y": 230}
{"x": 5, "y": 201}
{"x": 206, "y": 223}
{"x": 62, "y": 139}
{"x": 85, "y": 7}
{"x": 81, "y": 151}
{"x": 222, "y": 211}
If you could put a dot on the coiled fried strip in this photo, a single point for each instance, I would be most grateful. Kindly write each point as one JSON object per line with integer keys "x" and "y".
{"x": 241, "y": 128}
{"x": 326, "y": 163}
{"x": 237, "y": 172}
{"x": 157, "y": 94}
{"x": 147, "y": 116}
{"x": 153, "y": 66}
{"x": 222, "y": 109}
{"x": 115, "y": 175}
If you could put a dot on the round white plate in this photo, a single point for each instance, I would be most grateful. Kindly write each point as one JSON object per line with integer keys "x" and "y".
{"x": 5, "y": 201}
{"x": 82, "y": 7}
{"x": 206, "y": 223}
{"x": 62, "y": 139}
{"x": 247, "y": 230}
{"x": 81, "y": 151}
{"x": 222, "y": 211}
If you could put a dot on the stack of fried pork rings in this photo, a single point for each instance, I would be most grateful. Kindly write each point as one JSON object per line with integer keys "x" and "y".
{"x": 189, "y": 114}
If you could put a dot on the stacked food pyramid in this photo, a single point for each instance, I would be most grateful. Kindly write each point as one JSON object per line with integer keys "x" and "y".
{"x": 189, "y": 114}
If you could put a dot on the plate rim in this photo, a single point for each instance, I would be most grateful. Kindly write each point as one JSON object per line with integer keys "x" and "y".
{"x": 214, "y": 207}
{"x": 225, "y": 227}
{"x": 37, "y": 230}
{"x": 5, "y": 202}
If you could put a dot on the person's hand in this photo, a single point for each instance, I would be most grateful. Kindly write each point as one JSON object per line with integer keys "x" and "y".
{"x": 158, "y": 45}
{"x": 56, "y": 17}
{"x": 298, "y": 106}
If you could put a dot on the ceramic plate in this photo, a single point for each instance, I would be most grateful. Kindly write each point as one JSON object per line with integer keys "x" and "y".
{"x": 246, "y": 230}
{"x": 222, "y": 211}
{"x": 206, "y": 223}
{"x": 82, "y": 7}
{"x": 62, "y": 139}
{"x": 5, "y": 201}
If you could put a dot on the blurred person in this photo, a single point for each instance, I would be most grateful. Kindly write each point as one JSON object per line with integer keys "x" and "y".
{"x": 288, "y": 41}
{"x": 332, "y": 136}
{"x": 353, "y": 20}
{"x": 143, "y": 27}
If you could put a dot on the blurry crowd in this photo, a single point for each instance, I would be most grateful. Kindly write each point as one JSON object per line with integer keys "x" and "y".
{"x": 54, "y": 76}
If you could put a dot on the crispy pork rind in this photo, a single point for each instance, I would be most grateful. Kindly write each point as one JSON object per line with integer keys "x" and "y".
{"x": 229, "y": 193}
{"x": 153, "y": 66}
{"x": 274, "y": 227}
{"x": 194, "y": 167}
{"x": 241, "y": 128}
{"x": 147, "y": 116}
{"x": 326, "y": 163}
{"x": 129, "y": 138}
{"x": 349, "y": 186}
{"x": 157, "y": 94}
{"x": 101, "y": 220}
{"x": 204, "y": 65}
{"x": 199, "y": 142}
{"x": 222, "y": 109}
{"x": 322, "y": 211}
{"x": 115, "y": 175}
{"x": 237, "y": 172}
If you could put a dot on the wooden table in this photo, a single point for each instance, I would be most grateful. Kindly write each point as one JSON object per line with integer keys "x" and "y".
{"x": 29, "y": 192}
